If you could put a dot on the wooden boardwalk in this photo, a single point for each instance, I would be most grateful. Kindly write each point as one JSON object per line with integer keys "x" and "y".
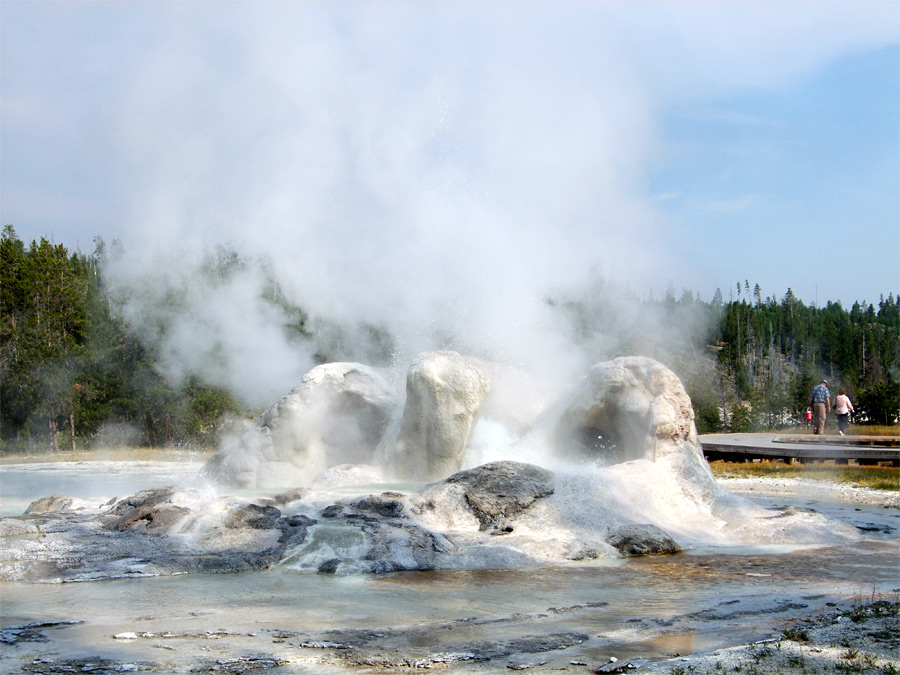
{"x": 804, "y": 448}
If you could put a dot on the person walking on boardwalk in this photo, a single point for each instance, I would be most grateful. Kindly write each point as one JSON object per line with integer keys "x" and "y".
{"x": 842, "y": 408}
{"x": 820, "y": 400}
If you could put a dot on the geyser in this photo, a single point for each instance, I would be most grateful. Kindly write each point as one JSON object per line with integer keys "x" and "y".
{"x": 347, "y": 413}
{"x": 648, "y": 490}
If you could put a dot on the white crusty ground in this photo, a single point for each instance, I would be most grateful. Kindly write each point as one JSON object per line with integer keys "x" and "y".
{"x": 814, "y": 489}
{"x": 827, "y": 644}
{"x": 824, "y": 645}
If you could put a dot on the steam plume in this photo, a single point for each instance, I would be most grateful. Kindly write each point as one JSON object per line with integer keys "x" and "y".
{"x": 436, "y": 169}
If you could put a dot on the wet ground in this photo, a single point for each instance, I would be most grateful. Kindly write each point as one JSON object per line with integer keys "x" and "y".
{"x": 571, "y": 617}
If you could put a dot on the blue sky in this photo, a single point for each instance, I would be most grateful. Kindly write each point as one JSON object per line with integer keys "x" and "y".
{"x": 798, "y": 185}
{"x": 383, "y": 153}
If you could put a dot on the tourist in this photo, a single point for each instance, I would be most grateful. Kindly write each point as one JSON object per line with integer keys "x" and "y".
{"x": 842, "y": 408}
{"x": 820, "y": 400}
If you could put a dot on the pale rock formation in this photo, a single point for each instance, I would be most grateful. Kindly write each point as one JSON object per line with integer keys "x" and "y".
{"x": 635, "y": 408}
{"x": 337, "y": 414}
{"x": 630, "y": 408}
{"x": 444, "y": 392}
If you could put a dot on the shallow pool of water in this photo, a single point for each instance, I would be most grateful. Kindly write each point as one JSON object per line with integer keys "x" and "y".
{"x": 20, "y": 484}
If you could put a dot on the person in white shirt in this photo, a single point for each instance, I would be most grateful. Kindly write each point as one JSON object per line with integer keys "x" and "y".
{"x": 842, "y": 408}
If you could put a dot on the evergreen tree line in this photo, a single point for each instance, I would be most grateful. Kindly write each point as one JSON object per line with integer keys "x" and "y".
{"x": 750, "y": 363}
{"x": 772, "y": 353}
{"x": 72, "y": 374}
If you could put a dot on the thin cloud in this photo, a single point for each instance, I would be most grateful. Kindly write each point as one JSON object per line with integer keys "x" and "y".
{"x": 735, "y": 205}
{"x": 731, "y": 117}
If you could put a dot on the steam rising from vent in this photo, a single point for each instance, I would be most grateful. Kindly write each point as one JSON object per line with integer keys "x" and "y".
{"x": 427, "y": 188}
{"x": 337, "y": 414}
{"x": 411, "y": 177}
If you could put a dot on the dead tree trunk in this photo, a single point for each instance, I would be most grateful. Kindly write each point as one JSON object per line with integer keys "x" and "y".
{"x": 168, "y": 431}
{"x": 54, "y": 436}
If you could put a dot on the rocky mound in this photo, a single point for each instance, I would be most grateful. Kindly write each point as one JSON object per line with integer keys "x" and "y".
{"x": 444, "y": 392}
{"x": 337, "y": 414}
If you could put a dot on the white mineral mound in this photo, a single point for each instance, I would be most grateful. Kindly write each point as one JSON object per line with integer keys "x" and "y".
{"x": 336, "y": 415}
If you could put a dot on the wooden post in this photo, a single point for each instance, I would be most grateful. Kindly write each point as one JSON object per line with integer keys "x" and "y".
{"x": 72, "y": 428}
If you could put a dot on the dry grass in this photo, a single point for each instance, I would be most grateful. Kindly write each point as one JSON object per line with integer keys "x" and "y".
{"x": 875, "y": 477}
{"x": 117, "y": 454}
{"x": 852, "y": 429}
{"x": 873, "y": 430}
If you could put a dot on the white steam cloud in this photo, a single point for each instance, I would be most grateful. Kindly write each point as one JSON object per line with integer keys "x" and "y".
{"x": 433, "y": 168}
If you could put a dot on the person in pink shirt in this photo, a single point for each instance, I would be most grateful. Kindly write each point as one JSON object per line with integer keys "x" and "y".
{"x": 842, "y": 408}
